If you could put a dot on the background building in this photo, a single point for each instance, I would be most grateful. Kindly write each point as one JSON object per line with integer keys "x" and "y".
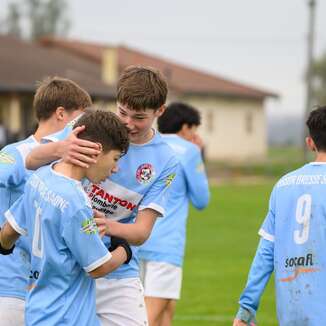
{"x": 233, "y": 116}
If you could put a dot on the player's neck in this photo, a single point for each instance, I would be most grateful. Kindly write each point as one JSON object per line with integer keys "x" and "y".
{"x": 70, "y": 170}
{"x": 144, "y": 139}
{"x": 45, "y": 128}
{"x": 320, "y": 157}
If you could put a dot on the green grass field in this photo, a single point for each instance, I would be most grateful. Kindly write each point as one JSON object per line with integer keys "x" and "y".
{"x": 221, "y": 243}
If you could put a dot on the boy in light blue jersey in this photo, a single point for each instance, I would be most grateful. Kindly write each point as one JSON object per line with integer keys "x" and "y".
{"x": 53, "y": 111}
{"x": 162, "y": 254}
{"x": 293, "y": 242}
{"x": 57, "y": 218}
{"x": 130, "y": 200}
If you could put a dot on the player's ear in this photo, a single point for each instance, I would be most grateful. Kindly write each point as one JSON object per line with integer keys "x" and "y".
{"x": 160, "y": 111}
{"x": 311, "y": 144}
{"x": 60, "y": 113}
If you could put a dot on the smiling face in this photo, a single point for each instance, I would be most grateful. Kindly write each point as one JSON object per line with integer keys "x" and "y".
{"x": 107, "y": 164}
{"x": 139, "y": 123}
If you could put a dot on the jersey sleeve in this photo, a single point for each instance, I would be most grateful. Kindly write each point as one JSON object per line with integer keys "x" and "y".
{"x": 60, "y": 135}
{"x": 157, "y": 196}
{"x": 12, "y": 167}
{"x": 267, "y": 230}
{"x": 197, "y": 183}
{"x": 82, "y": 238}
{"x": 259, "y": 275}
{"x": 16, "y": 216}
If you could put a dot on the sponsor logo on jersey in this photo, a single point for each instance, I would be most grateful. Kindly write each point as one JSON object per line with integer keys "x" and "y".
{"x": 6, "y": 158}
{"x": 108, "y": 202}
{"x": 301, "y": 265}
{"x": 89, "y": 226}
{"x": 145, "y": 173}
{"x": 170, "y": 179}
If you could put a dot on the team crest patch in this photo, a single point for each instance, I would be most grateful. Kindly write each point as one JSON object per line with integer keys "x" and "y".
{"x": 6, "y": 158}
{"x": 145, "y": 173}
{"x": 169, "y": 179}
{"x": 89, "y": 226}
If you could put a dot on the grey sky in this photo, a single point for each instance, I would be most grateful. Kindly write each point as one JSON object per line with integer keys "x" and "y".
{"x": 259, "y": 42}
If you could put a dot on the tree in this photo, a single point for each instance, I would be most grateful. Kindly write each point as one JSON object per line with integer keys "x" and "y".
{"x": 43, "y": 17}
{"x": 319, "y": 78}
{"x": 12, "y": 20}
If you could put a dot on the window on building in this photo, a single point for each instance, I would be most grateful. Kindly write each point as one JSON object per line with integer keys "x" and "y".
{"x": 249, "y": 122}
{"x": 210, "y": 121}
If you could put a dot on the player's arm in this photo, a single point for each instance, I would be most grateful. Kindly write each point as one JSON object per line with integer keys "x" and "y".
{"x": 198, "y": 188}
{"x": 15, "y": 226}
{"x": 8, "y": 237}
{"x": 137, "y": 233}
{"x": 259, "y": 275}
{"x": 120, "y": 254}
{"x": 82, "y": 237}
{"x": 151, "y": 207}
{"x": 261, "y": 268}
{"x": 72, "y": 149}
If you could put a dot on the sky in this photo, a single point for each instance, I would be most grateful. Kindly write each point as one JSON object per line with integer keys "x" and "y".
{"x": 259, "y": 42}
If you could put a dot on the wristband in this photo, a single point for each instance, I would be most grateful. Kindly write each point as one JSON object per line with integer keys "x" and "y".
{"x": 119, "y": 242}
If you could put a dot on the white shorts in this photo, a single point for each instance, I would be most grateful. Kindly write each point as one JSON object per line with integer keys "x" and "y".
{"x": 161, "y": 280}
{"x": 12, "y": 311}
{"x": 120, "y": 302}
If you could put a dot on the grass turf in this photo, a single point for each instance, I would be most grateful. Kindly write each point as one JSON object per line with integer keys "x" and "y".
{"x": 220, "y": 247}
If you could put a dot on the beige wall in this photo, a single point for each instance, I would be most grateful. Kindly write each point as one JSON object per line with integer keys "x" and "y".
{"x": 233, "y": 130}
{"x": 10, "y": 112}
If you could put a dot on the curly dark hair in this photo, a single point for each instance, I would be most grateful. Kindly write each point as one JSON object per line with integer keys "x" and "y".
{"x": 104, "y": 127}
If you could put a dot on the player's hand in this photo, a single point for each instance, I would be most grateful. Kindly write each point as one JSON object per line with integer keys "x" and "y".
{"x": 238, "y": 322}
{"x": 79, "y": 151}
{"x": 197, "y": 140}
{"x": 100, "y": 220}
{"x": 104, "y": 224}
{"x": 120, "y": 242}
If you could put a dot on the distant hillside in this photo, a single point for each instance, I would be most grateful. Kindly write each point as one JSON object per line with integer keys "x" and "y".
{"x": 286, "y": 130}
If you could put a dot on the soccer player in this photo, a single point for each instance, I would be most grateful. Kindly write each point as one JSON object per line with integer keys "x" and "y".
{"x": 162, "y": 254}
{"x": 293, "y": 241}
{"x": 57, "y": 218}
{"x": 56, "y": 102}
{"x": 131, "y": 199}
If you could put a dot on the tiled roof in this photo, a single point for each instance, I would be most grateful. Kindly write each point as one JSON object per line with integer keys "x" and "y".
{"x": 22, "y": 64}
{"x": 181, "y": 78}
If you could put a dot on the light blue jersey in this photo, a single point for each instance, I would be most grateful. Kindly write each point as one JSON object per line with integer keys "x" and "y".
{"x": 55, "y": 215}
{"x": 293, "y": 243}
{"x": 144, "y": 175}
{"x": 14, "y": 268}
{"x": 167, "y": 240}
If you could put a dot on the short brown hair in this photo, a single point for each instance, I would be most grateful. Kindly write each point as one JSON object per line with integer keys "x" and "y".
{"x": 104, "y": 127}
{"x": 316, "y": 124}
{"x": 142, "y": 88}
{"x": 53, "y": 92}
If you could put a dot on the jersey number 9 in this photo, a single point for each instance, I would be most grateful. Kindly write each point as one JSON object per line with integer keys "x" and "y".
{"x": 303, "y": 215}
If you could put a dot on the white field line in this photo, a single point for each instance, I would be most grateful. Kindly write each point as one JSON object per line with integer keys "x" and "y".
{"x": 217, "y": 319}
